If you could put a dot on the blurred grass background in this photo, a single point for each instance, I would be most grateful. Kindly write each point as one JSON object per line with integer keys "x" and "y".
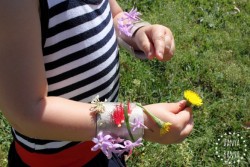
{"x": 212, "y": 58}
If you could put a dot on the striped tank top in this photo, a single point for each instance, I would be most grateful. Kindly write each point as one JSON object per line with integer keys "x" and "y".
{"x": 80, "y": 57}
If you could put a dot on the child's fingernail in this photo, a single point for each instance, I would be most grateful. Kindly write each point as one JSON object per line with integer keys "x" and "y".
{"x": 167, "y": 47}
{"x": 149, "y": 54}
{"x": 160, "y": 55}
{"x": 171, "y": 53}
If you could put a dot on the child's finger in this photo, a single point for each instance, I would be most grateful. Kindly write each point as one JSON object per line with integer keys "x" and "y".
{"x": 145, "y": 45}
{"x": 172, "y": 49}
{"x": 186, "y": 132}
{"x": 176, "y": 107}
{"x": 188, "y": 128}
{"x": 169, "y": 47}
{"x": 158, "y": 39}
{"x": 184, "y": 117}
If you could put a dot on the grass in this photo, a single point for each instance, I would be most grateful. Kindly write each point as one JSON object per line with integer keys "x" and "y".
{"x": 212, "y": 57}
{"x": 5, "y": 139}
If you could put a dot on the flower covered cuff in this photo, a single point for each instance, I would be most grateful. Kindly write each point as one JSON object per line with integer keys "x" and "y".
{"x": 137, "y": 53}
{"x": 128, "y": 25}
{"x": 120, "y": 126}
{"x": 137, "y": 25}
{"x": 121, "y": 120}
{"x": 130, "y": 22}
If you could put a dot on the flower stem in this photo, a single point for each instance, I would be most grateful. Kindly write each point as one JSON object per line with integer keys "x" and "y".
{"x": 127, "y": 122}
{"x": 157, "y": 121}
{"x": 188, "y": 104}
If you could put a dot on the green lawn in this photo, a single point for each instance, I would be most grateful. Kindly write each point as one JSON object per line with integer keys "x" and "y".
{"x": 212, "y": 58}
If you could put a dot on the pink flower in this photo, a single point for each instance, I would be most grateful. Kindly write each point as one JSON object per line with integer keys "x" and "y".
{"x": 137, "y": 124}
{"x": 125, "y": 28}
{"x": 125, "y": 23}
{"x": 129, "y": 145}
{"x": 133, "y": 14}
{"x": 107, "y": 144}
{"x": 110, "y": 145}
{"x": 118, "y": 115}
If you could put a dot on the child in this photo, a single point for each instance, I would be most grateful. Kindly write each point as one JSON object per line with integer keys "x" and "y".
{"x": 56, "y": 56}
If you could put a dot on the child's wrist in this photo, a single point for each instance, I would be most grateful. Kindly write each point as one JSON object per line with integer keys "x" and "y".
{"x": 128, "y": 25}
{"x": 138, "y": 25}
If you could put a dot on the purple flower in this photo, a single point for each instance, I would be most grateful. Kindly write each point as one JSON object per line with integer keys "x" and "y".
{"x": 129, "y": 145}
{"x": 110, "y": 145}
{"x": 125, "y": 28}
{"x": 102, "y": 142}
{"x": 107, "y": 144}
{"x": 133, "y": 14}
{"x": 112, "y": 148}
{"x": 125, "y": 23}
{"x": 137, "y": 124}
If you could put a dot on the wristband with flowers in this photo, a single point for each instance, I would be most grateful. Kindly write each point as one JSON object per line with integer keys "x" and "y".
{"x": 128, "y": 24}
{"x": 120, "y": 126}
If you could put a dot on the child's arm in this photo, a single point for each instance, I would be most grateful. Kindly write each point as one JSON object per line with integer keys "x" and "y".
{"x": 23, "y": 87}
{"x": 154, "y": 40}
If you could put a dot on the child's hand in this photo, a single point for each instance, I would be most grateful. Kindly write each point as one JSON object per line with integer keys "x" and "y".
{"x": 175, "y": 113}
{"x": 155, "y": 41}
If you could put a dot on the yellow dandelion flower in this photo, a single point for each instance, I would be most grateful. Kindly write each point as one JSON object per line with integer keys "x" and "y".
{"x": 193, "y": 98}
{"x": 165, "y": 128}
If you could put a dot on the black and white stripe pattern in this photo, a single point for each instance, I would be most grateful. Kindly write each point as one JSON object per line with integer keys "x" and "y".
{"x": 80, "y": 57}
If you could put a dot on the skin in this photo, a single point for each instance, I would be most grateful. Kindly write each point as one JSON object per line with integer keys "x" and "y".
{"x": 23, "y": 87}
